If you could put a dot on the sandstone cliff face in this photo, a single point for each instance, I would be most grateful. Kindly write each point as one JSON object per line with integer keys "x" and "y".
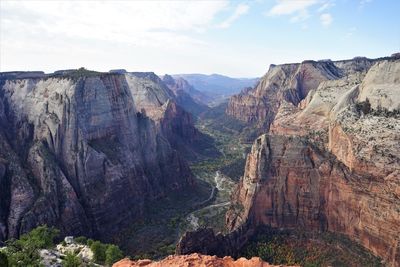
{"x": 195, "y": 260}
{"x": 158, "y": 102}
{"x": 288, "y": 83}
{"x": 78, "y": 152}
{"x": 326, "y": 164}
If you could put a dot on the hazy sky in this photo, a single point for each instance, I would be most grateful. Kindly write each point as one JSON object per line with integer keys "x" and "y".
{"x": 236, "y": 38}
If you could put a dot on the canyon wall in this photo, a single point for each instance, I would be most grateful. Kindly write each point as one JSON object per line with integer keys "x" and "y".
{"x": 84, "y": 151}
{"x": 331, "y": 159}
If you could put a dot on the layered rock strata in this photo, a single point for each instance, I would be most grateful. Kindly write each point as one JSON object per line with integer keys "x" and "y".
{"x": 331, "y": 159}
{"x": 83, "y": 151}
{"x": 289, "y": 83}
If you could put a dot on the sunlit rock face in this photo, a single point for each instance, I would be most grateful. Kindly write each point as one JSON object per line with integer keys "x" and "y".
{"x": 330, "y": 161}
{"x": 195, "y": 260}
{"x": 83, "y": 152}
{"x": 290, "y": 83}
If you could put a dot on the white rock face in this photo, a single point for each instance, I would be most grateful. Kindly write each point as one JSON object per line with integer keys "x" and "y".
{"x": 50, "y": 258}
{"x": 54, "y": 257}
{"x": 382, "y": 85}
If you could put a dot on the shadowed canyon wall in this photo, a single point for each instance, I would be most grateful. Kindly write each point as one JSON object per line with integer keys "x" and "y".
{"x": 84, "y": 152}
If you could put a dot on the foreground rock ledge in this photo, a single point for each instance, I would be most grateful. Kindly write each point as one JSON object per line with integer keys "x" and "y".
{"x": 196, "y": 259}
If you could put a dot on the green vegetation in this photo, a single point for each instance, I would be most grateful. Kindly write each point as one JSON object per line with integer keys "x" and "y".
{"x": 81, "y": 240}
{"x": 99, "y": 251}
{"x": 25, "y": 251}
{"x": 78, "y": 73}
{"x": 307, "y": 249}
{"x": 163, "y": 224}
{"x": 113, "y": 254}
{"x": 364, "y": 107}
{"x": 71, "y": 260}
{"x": 3, "y": 259}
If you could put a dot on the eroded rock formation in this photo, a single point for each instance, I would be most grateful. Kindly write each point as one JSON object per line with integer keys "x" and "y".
{"x": 84, "y": 151}
{"x": 331, "y": 159}
{"x": 289, "y": 83}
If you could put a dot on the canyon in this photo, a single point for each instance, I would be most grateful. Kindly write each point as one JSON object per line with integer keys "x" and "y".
{"x": 313, "y": 147}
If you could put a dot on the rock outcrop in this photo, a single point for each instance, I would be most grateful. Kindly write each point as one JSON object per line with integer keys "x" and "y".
{"x": 331, "y": 159}
{"x": 195, "y": 260}
{"x": 83, "y": 151}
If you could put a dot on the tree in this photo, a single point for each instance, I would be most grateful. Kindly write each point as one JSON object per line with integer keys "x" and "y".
{"x": 24, "y": 251}
{"x": 40, "y": 237}
{"x": 3, "y": 259}
{"x": 113, "y": 254}
{"x": 71, "y": 260}
{"x": 81, "y": 240}
{"x": 364, "y": 106}
{"x": 99, "y": 251}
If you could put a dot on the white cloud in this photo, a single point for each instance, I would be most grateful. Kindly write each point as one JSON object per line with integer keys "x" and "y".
{"x": 240, "y": 10}
{"x": 291, "y": 7}
{"x": 301, "y": 10}
{"x": 325, "y": 6}
{"x": 147, "y": 23}
{"x": 362, "y": 3}
{"x": 326, "y": 19}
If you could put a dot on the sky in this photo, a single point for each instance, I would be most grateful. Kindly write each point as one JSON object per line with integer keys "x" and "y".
{"x": 234, "y": 38}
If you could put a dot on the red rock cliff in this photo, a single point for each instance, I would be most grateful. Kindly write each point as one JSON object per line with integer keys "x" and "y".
{"x": 328, "y": 164}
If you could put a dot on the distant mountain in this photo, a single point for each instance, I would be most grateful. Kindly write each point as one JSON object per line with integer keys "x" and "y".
{"x": 186, "y": 96}
{"x": 217, "y": 86}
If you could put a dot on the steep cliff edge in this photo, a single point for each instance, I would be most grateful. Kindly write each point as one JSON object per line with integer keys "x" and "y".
{"x": 331, "y": 160}
{"x": 154, "y": 98}
{"x": 80, "y": 153}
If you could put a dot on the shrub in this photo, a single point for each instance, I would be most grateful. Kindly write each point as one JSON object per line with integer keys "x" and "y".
{"x": 89, "y": 242}
{"x": 24, "y": 252}
{"x": 113, "y": 254}
{"x": 71, "y": 260}
{"x": 99, "y": 251}
{"x": 81, "y": 240}
{"x": 364, "y": 106}
{"x": 3, "y": 259}
{"x": 40, "y": 237}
